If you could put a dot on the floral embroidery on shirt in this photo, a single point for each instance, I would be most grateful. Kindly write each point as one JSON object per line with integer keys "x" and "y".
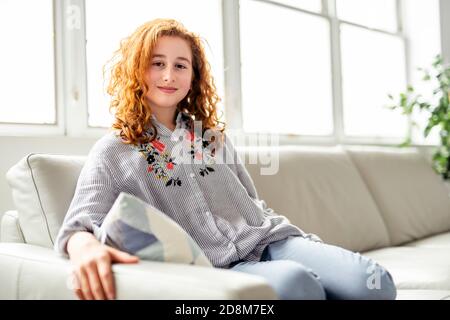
{"x": 199, "y": 155}
{"x": 159, "y": 162}
{"x": 161, "y": 165}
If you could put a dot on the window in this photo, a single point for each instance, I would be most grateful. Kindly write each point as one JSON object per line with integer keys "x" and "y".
{"x": 122, "y": 18}
{"x": 359, "y": 46}
{"x": 286, "y": 72}
{"x": 312, "y": 71}
{"x": 27, "y": 76}
{"x": 372, "y": 66}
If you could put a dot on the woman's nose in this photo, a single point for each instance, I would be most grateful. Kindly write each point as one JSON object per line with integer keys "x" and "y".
{"x": 168, "y": 75}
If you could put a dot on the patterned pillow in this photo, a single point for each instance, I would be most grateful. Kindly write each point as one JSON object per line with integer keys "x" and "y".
{"x": 140, "y": 229}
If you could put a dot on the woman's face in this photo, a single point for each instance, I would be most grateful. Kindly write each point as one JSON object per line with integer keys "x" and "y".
{"x": 169, "y": 75}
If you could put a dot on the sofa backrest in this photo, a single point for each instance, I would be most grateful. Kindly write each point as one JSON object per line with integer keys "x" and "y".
{"x": 320, "y": 190}
{"x": 411, "y": 197}
{"x": 359, "y": 198}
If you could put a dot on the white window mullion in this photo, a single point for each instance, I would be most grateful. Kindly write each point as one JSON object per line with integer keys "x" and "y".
{"x": 335, "y": 45}
{"x": 324, "y": 7}
{"x": 74, "y": 55}
{"x": 444, "y": 9}
{"x": 232, "y": 64}
{"x": 401, "y": 30}
{"x": 59, "y": 62}
{"x": 73, "y": 31}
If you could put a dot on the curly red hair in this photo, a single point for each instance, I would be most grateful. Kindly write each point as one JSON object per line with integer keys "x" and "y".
{"x": 127, "y": 87}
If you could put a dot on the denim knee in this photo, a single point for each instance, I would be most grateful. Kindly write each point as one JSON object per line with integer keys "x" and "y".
{"x": 375, "y": 284}
{"x": 298, "y": 283}
{"x": 384, "y": 289}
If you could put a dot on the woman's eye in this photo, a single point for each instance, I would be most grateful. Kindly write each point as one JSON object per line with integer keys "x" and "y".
{"x": 158, "y": 64}
{"x": 181, "y": 66}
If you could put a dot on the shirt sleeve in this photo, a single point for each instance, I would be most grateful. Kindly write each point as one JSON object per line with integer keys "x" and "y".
{"x": 94, "y": 196}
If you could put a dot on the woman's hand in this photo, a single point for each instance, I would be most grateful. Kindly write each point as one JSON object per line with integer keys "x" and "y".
{"x": 92, "y": 266}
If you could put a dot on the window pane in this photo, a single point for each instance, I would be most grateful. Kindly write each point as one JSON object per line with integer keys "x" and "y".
{"x": 311, "y": 5}
{"x": 379, "y": 14}
{"x": 27, "y": 77}
{"x": 286, "y": 77}
{"x": 122, "y": 19}
{"x": 372, "y": 66}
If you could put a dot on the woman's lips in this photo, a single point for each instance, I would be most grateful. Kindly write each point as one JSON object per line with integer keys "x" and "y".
{"x": 167, "y": 90}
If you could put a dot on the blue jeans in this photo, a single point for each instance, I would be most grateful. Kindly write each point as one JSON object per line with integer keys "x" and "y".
{"x": 299, "y": 268}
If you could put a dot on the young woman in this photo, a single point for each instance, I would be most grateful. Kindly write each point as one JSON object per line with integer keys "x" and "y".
{"x": 160, "y": 83}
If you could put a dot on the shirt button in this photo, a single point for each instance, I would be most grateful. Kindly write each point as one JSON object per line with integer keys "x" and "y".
{"x": 192, "y": 175}
{"x": 208, "y": 213}
{"x": 230, "y": 245}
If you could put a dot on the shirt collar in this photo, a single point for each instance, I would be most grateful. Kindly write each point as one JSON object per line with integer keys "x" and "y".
{"x": 181, "y": 120}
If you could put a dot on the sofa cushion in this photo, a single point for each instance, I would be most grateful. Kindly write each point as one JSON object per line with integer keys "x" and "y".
{"x": 441, "y": 240}
{"x": 42, "y": 188}
{"x": 415, "y": 268}
{"x": 423, "y": 295}
{"x": 10, "y": 228}
{"x": 411, "y": 197}
{"x": 319, "y": 190}
{"x": 140, "y": 229}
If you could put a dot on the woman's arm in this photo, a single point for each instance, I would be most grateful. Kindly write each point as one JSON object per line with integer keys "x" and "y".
{"x": 92, "y": 266}
{"x": 95, "y": 193}
{"x": 94, "y": 196}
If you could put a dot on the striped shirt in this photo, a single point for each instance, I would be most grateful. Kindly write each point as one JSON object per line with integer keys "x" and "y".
{"x": 212, "y": 197}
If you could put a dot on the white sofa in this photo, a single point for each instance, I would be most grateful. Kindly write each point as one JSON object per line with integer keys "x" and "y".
{"x": 386, "y": 203}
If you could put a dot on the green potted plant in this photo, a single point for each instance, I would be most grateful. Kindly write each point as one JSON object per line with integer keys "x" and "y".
{"x": 437, "y": 109}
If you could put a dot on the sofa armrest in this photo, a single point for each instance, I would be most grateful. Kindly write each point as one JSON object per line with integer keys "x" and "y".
{"x": 33, "y": 272}
{"x": 10, "y": 228}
